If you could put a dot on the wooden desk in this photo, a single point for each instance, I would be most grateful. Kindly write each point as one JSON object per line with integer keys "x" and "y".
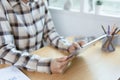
{"x": 92, "y": 64}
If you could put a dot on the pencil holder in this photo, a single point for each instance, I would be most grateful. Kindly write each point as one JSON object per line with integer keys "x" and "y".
{"x": 109, "y": 43}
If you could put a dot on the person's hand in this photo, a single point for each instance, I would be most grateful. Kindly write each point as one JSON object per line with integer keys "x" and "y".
{"x": 75, "y": 46}
{"x": 59, "y": 65}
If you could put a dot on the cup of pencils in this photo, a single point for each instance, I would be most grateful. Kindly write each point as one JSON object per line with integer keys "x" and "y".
{"x": 110, "y": 41}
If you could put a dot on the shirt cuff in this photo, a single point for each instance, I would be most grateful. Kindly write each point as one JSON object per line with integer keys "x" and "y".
{"x": 44, "y": 65}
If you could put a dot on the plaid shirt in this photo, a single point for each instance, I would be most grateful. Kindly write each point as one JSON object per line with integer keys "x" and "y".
{"x": 23, "y": 28}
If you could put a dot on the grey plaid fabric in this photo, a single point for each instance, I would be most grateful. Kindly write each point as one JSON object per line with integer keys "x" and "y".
{"x": 23, "y": 28}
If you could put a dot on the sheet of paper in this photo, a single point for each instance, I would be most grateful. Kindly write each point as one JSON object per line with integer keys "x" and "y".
{"x": 95, "y": 40}
{"x": 12, "y": 73}
{"x": 87, "y": 45}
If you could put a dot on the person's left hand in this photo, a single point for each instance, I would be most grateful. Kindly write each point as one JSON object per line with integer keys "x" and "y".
{"x": 59, "y": 65}
{"x": 75, "y": 46}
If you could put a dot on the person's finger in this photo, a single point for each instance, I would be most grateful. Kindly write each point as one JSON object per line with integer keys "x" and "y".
{"x": 72, "y": 47}
{"x": 76, "y": 45}
{"x": 81, "y": 43}
{"x": 61, "y": 59}
{"x": 64, "y": 68}
{"x": 63, "y": 64}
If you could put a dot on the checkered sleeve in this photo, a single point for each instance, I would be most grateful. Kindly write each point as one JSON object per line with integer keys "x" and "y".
{"x": 50, "y": 34}
{"x": 9, "y": 53}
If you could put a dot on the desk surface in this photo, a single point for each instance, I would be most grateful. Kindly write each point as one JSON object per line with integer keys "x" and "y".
{"x": 92, "y": 64}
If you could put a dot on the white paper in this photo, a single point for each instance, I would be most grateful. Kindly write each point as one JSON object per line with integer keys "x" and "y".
{"x": 84, "y": 47}
{"x": 95, "y": 40}
{"x": 12, "y": 73}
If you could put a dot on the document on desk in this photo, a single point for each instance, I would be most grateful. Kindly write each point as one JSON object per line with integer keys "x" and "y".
{"x": 12, "y": 73}
{"x": 95, "y": 40}
{"x": 86, "y": 46}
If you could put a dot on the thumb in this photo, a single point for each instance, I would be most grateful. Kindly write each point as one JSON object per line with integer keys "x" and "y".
{"x": 76, "y": 45}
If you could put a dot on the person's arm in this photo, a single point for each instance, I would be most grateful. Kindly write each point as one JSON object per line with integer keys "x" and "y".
{"x": 51, "y": 35}
{"x": 9, "y": 53}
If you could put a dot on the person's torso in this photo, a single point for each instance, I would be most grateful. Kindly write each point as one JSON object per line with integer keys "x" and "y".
{"x": 27, "y": 22}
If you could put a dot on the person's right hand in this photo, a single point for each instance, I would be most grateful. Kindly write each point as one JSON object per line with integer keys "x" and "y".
{"x": 59, "y": 65}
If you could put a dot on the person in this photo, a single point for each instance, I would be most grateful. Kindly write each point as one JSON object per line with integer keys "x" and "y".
{"x": 24, "y": 26}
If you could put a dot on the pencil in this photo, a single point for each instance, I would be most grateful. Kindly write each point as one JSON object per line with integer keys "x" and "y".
{"x": 113, "y": 28}
{"x": 117, "y": 31}
{"x": 114, "y": 31}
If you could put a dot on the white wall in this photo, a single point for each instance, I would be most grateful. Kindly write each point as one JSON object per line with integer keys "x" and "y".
{"x": 75, "y": 23}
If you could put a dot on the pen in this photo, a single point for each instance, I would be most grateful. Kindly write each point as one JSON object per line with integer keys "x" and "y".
{"x": 73, "y": 54}
{"x": 104, "y": 29}
{"x": 108, "y": 29}
{"x": 110, "y": 40}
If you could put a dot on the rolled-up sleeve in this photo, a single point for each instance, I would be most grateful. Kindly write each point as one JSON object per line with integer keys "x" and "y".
{"x": 9, "y": 52}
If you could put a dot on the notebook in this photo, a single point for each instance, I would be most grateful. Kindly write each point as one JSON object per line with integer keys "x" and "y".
{"x": 12, "y": 73}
